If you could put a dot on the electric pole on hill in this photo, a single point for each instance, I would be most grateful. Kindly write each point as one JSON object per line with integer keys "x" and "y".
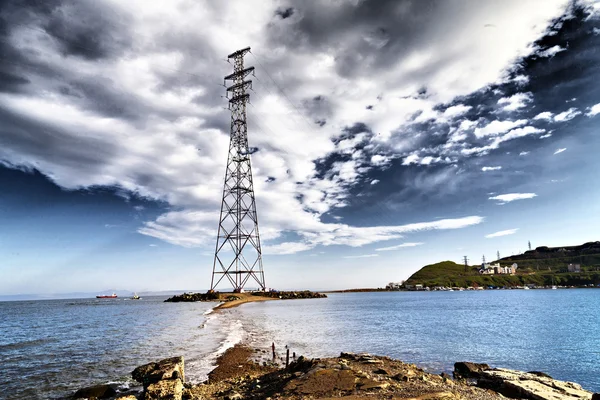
{"x": 466, "y": 263}
{"x": 238, "y": 255}
{"x": 498, "y": 254}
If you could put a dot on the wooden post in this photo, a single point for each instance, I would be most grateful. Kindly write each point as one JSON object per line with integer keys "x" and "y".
{"x": 294, "y": 356}
{"x": 287, "y": 358}
{"x": 273, "y": 347}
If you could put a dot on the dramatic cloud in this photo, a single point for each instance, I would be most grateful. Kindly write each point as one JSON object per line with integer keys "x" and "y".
{"x": 524, "y": 153}
{"x": 400, "y": 246}
{"x": 508, "y": 197}
{"x": 128, "y": 95}
{"x": 502, "y": 233}
{"x": 558, "y": 151}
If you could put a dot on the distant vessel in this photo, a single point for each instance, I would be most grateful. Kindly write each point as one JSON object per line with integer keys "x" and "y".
{"x": 136, "y": 297}
{"x": 112, "y": 296}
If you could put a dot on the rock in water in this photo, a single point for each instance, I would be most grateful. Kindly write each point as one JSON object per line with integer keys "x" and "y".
{"x": 468, "y": 370}
{"x": 95, "y": 392}
{"x": 169, "y": 368}
{"x": 525, "y": 385}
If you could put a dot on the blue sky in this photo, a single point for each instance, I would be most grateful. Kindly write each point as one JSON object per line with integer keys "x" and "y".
{"x": 389, "y": 135}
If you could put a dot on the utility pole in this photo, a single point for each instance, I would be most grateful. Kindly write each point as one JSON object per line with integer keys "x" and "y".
{"x": 238, "y": 254}
{"x": 529, "y": 244}
{"x": 483, "y": 258}
{"x": 466, "y": 263}
{"x": 498, "y": 254}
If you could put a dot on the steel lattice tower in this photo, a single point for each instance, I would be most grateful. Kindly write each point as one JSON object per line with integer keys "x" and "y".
{"x": 237, "y": 252}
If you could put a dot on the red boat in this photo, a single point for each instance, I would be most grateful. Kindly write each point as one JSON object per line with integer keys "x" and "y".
{"x": 112, "y": 296}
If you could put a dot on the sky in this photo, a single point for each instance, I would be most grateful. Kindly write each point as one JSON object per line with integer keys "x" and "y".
{"x": 388, "y": 134}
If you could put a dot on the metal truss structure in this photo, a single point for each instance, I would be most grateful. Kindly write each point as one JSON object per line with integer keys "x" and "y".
{"x": 238, "y": 255}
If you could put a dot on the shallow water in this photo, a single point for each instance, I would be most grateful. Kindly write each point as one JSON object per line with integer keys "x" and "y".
{"x": 51, "y": 348}
{"x": 554, "y": 331}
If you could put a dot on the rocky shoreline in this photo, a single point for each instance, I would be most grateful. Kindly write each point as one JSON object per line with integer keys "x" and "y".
{"x": 245, "y": 297}
{"x": 240, "y": 375}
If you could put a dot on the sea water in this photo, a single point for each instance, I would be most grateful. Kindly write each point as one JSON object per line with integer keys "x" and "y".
{"x": 554, "y": 331}
{"x": 49, "y": 349}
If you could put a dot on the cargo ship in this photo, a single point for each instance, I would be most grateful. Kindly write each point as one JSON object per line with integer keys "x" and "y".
{"x": 112, "y": 296}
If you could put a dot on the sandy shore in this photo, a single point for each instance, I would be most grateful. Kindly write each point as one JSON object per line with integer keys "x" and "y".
{"x": 243, "y": 298}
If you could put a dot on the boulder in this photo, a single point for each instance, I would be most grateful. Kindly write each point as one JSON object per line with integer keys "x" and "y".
{"x": 468, "y": 370}
{"x": 95, "y": 392}
{"x": 596, "y": 396}
{"x": 525, "y": 385}
{"x": 128, "y": 397}
{"x": 169, "y": 368}
{"x": 171, "y": 389}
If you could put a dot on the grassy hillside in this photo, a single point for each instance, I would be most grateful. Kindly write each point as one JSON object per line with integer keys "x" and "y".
{"x": 542, "y": 266}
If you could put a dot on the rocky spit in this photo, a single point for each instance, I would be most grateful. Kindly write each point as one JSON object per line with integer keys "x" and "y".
{"x": 349, "y": 376}
{"x": 249, "y": 296}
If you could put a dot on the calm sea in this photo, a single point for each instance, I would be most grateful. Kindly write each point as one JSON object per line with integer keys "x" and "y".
{"x": 49, "y": 349}
{"x": 554, "y": 331}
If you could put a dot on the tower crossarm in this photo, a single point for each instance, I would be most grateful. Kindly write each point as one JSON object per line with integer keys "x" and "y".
{"x": 239, "y": 74}
{"x": 240, "y": 86}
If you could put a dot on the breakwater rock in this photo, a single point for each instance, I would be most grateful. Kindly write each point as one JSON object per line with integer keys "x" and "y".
{"x": 191, "y": 297}
{"x": 303, "y": 294}
{"x": 161, "y": 380}
{"x": 521, "y": 385}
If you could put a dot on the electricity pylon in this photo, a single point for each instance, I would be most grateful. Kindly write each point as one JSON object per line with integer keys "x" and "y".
{"x": 238, "y": 255}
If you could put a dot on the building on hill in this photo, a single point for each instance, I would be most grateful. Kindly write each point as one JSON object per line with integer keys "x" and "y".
{"x": 497, "y": 269}
{"x": 394, "y": 285}
{"x": 574, "y": 268}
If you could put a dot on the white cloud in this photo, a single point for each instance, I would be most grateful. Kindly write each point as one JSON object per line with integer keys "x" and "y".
{"x": 496, "y": 127}
{"x": 379, "y": 160}
{"x": 485, "y": 169}
{"x": 363, "y": 256}
{"x": 400, "y": 246}
{"x": 456, "y": 111}
{"x": 286, "y": 248}
{"x": 567, "y": 115}
{"x": 516, "y": 101}
{"x": 374, "y": 181}
{"x": 508, "y": 197}
{"x": 560, "y": 150}
{"x": 546, "y": 136}
{"x": 521, "y": 79}
{"x": 502, "y": 233}
{"x": 523, "y": 153}
{"x": 547, "y": 115}
{"x": 594, "y": 110}
{"x": 551, "y": 51}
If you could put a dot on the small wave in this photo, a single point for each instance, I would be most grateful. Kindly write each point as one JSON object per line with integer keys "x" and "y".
{"x": 27, "y": 343}
{"x": 235, "y": 335}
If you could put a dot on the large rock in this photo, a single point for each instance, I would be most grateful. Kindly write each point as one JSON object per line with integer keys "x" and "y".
{"x": 468, "y": 370}
{"x": 525, "y": 385}
{"x": 169, "y": 368}
{"x": 95, "y": 392}
{"x": 171, "y": 389}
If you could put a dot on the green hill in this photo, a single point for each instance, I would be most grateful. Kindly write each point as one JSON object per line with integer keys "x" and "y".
{"x": 543, "y": 266}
